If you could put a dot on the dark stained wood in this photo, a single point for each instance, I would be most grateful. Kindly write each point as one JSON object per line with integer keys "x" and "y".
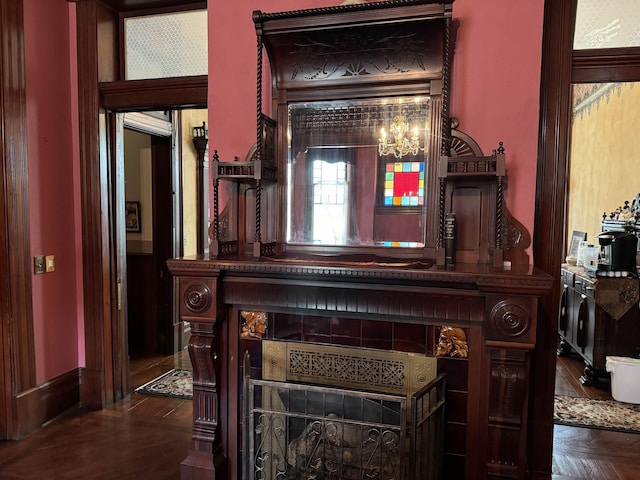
{"x": 344, "y": 41}
{"x": 187, "y": 92}
{"x": 606, "y": 65}
{"x": 104, "y": 379}
{"x": 100, "y": 296}
{"x": 162, "y": 242}
{"x": 549, "y": 220}
{"x": 497, "y": 308}
{"x": 17, "y": 356}
{"x": 559, "y": 68}
{"x": 133, "y": 5}
{"x": 588, "y": 329}
{"x": 200, "y": 141}
{"x": 141, "y": 436}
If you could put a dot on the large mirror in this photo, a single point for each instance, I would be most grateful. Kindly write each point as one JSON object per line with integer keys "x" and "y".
{"x": 356, "y": 172}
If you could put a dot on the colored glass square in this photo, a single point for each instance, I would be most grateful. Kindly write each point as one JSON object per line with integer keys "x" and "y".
{"x": 405, "y": 183}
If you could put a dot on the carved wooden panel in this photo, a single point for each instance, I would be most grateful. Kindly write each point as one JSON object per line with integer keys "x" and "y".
{"x": 348, "y": 51}
{"x": 197, "y": 298}
{"x": 506, "y": 430}
{"x": 428, "y": 305}
{"x": 511, "y": 319}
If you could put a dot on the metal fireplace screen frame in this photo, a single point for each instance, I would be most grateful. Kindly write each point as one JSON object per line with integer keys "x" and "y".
{"x": 301, "y": 431}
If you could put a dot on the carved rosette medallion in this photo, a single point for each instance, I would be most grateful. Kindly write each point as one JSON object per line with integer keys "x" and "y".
{"x": 510, "y": 319}
{"x": 198, "y": 298}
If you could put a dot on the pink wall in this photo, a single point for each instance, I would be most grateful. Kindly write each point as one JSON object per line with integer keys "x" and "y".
{"x": 496, "y": 88}
{"x": 495, "y": 82}
{"x": 493, "y": 100}
{"x": 53, "y": 188}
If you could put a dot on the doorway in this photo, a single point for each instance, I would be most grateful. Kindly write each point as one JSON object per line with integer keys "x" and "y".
{"x": 149, "y": 242}
{"x": 159, "y": 194}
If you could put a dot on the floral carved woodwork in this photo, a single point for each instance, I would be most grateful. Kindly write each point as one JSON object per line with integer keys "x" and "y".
{"x": 452, "y": 343}
{"x": 254, "y": 324}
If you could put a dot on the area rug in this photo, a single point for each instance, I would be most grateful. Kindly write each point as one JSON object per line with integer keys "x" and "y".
{"x": 174, "y": 383}
{"x": 593, "y": 413}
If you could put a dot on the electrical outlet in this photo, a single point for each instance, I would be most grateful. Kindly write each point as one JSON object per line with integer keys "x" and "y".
{"x": 39, "y": 265}
{"x": 50, "y": 263}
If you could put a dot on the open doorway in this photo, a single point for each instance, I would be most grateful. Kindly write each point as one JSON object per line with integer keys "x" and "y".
{"x": 159, "y": 165}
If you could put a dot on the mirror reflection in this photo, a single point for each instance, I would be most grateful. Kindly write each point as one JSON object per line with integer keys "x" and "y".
{"x": 356, "y": 172}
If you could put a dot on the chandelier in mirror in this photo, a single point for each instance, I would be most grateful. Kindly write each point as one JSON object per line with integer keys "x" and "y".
{"x": 401, "y": 145}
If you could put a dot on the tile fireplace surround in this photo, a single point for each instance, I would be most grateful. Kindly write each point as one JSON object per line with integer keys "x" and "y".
{"x": 390, "y": 308}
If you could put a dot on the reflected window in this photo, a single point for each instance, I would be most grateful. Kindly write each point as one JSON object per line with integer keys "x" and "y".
{"x": 166, "y": 45}
{"x": 330, "y": 200}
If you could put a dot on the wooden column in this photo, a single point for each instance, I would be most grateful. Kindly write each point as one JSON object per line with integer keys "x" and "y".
{"x": 510, "y": 335}
{"x": 198, "y": 307}
{"x": 200, "y": 140}
{"x": 19, "y": 401}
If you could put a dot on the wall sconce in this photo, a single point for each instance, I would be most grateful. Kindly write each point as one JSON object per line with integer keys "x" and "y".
{"x": 200, "y": 132}
{"x": 401, "y": 145}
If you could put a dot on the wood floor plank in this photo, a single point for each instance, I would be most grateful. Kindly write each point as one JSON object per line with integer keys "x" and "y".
{"x": 146, "y": 437}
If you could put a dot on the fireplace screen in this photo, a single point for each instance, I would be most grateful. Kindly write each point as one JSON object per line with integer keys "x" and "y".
{"x": 300, "y": 431}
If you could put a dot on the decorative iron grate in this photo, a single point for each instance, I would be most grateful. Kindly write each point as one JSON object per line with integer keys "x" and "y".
{"x": 309, "y": 432}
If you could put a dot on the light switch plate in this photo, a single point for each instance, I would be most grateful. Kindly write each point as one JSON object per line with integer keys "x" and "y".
{"x": 50, "y": 262}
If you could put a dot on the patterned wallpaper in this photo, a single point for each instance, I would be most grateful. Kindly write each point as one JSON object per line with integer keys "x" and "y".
{"x": 604, "y": 155}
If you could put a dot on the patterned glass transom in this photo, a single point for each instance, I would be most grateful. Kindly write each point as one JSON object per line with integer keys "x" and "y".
{"x": 607, "y": 24}
{"x": 166, "y": 45}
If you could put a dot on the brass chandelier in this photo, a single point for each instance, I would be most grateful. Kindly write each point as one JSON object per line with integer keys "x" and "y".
{"x": 401, "y": 145}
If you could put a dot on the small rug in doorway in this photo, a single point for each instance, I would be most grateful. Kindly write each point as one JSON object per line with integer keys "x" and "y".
{"x": 174, "y": 383}
{"x": 594, "y": 413}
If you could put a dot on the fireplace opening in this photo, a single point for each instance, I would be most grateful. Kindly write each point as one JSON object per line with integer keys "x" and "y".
{"x": 315, "y": 431}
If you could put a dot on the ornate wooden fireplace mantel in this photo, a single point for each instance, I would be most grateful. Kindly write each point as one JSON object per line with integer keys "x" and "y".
{"x": 398, "y": 272}
{"x": 497, "y": 308}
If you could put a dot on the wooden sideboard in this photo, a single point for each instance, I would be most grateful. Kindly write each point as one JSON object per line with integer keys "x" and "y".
{"x": 487, "y": 392}
{"x": 598, "y": 317}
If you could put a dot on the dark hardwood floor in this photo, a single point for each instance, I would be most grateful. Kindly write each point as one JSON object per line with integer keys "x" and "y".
{"x": 146, "y": 437}
{"x": 141, "y": 437}
{"x": 586, "y": 453}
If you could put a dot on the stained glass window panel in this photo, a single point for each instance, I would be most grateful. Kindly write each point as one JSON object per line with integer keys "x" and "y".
{"x": 404, "y": 184}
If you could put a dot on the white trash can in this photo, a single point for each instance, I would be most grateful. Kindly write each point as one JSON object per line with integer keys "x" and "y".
{"x": 625, "y": 378}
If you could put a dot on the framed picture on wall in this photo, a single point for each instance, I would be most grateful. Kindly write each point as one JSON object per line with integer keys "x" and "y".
{"x": 132, "y": 219}
{"x": 576, "y": 238}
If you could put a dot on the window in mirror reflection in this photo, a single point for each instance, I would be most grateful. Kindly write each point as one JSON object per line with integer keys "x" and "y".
{"x": 356, "y": 172}
{"x": 330, "y": 200}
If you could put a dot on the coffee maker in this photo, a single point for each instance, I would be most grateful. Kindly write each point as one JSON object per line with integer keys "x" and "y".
{"x": 618, "y": 254}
